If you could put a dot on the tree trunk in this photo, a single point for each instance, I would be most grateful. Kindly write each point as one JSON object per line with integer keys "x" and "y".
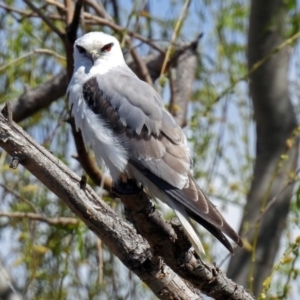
{"x": 275, "y": 122}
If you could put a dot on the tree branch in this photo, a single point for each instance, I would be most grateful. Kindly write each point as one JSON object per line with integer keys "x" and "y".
{"x": 139, "y": 62}
{"x": 15, "y": 194}
{"x": 63, "y": 221}
{"x": 172, "y": 244}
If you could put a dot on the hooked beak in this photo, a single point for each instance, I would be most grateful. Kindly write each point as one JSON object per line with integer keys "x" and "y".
{"x": 94, "y": 55}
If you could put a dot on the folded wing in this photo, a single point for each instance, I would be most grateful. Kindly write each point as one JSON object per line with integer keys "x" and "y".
{"x": 156, "y": 146}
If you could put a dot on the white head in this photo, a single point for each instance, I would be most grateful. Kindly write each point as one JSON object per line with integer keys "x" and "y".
{"x": 98, "y": 49}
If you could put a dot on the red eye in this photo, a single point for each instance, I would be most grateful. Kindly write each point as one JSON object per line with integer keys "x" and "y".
{"x": 107, "y": 47}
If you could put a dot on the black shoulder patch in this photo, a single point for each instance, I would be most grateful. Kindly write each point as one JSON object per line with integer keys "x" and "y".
{"x": 99, "y": 103}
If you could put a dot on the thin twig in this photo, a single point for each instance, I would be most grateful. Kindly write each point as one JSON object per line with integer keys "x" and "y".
{"x": 63, "y": 221}
{"x": 112, "y": 25}
{"x": 99, "y": 9}
{"x": 271, "y": 203}
{"x": 15, "y": 10}
{"x": 45, "y": 18}
{"x": 122, "y": 29}
{"x": 57, "y": 4}
{"x": 14, "y": 193}
{"x": 140, "y": 64}
{"x": 267, "y": 283}
{"x": 174, "y": 35}
{"x": 36, "y": 51}
{"x": 100, "y": 258}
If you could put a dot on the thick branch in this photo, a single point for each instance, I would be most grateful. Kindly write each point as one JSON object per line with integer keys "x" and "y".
{"x": 170, "y": 242}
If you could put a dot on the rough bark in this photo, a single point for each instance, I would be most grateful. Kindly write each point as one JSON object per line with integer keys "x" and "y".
{"x": 177, "y": 255}
{"x": 118, "y": 235}
{"x": 275, "y": 122}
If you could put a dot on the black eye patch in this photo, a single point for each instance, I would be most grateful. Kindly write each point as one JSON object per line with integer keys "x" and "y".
{"x": 81, "y": 49}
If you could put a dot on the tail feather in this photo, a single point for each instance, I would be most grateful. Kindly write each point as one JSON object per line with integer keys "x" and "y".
{"x": 187, "y": 202}
{"x": 205, "y": 213}
{"x": 213, "y": 230}
{"x": 187, "y": 225}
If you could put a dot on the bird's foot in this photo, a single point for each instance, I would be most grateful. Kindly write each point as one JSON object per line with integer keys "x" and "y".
{"x": 129, "y": 187}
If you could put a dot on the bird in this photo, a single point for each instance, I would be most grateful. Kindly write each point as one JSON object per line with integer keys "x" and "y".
{"x": 124, "y": 121}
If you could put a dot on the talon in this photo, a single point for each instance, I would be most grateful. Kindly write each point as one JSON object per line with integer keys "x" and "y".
{"x": 83, "y": 182}
{"x": 214, "y": 272}
{"x": 129, "y": 187}
{"x": 7, "y": 113}
{"x": 14, "y": 163}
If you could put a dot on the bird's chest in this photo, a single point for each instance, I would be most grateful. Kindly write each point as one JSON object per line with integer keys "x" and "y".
{"x": 97, "y": 135}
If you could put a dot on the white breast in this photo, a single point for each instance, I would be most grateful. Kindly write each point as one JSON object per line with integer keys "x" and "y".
{"x": 96, "y": 134}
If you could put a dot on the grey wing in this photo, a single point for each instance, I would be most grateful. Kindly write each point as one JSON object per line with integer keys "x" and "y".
{"x": 149, "y": 133}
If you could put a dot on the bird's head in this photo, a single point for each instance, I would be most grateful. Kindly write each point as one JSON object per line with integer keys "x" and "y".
{"x": 98, "y": 48}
